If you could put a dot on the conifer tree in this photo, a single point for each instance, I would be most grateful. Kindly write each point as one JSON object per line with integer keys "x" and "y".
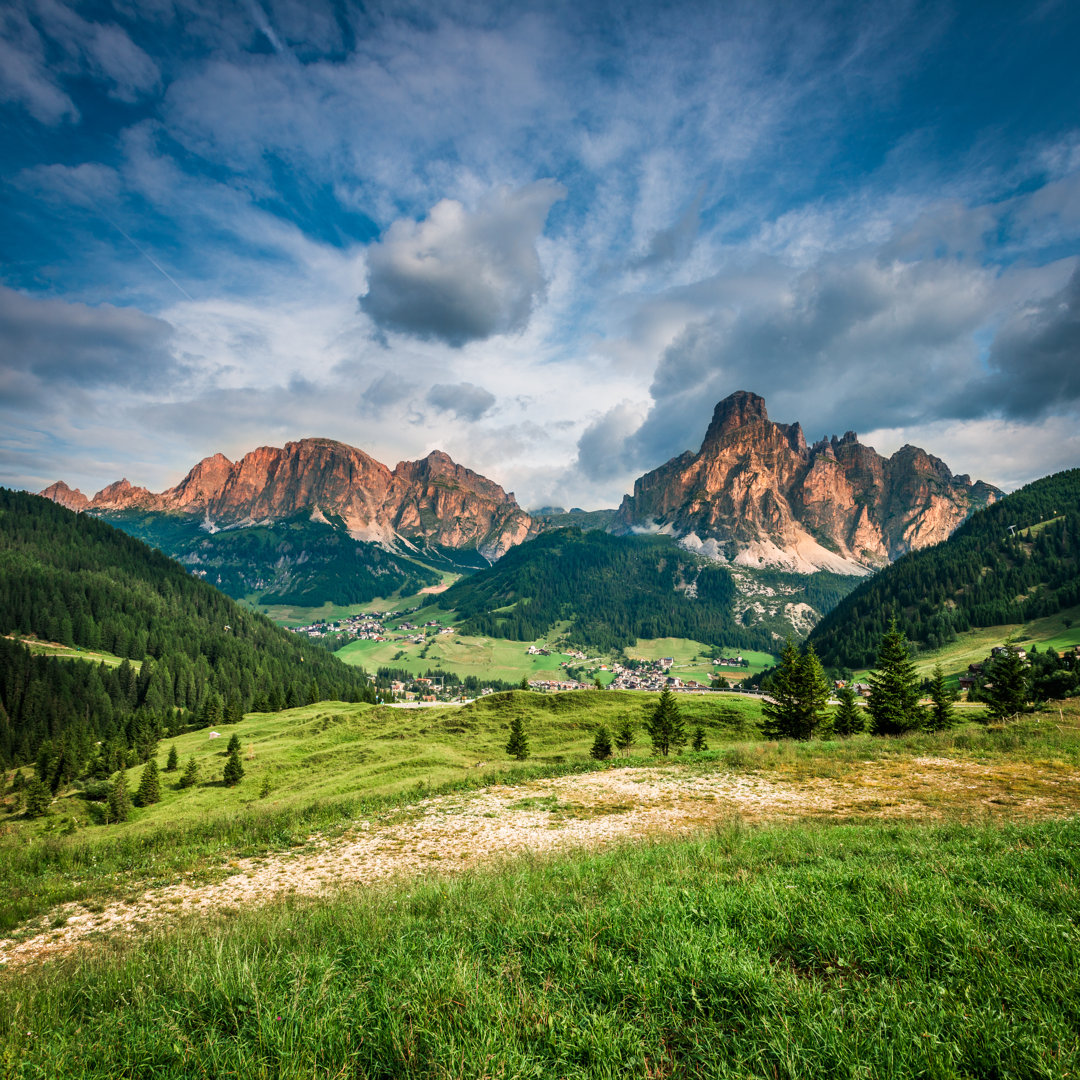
{"x": 174, "y": 759}
{"x": 848, "y": 719}
{"x": 234, "y": 744}
{"x": 699, "y": 744}
{"x": 234, "y": 769}
{"x": 799, "y": 695}
{"x": 524, "y": 684}
{"x": 941, "y": 714}
{"x": 518, "y": 746}
{"x": 119, "y": 799}
{"x": 36, "y": 798}
{"x": 894, "y": 688}
{"x": 1007, "y": 693}
{"x": 625, "y": 734}
{"x": 601, "y": 747}
{"x": 190, "y": 775}
{"x": 149, "y": 785}
{"x": 665, "y": 725}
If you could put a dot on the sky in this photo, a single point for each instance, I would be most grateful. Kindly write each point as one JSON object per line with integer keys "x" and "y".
{"x": 546, "y": 239}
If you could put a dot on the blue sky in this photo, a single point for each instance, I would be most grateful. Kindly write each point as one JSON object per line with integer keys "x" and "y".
{"x": 546, "y": 239}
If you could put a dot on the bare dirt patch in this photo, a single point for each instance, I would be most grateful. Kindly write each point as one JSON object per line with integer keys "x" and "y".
{"x": 451, "y": 833}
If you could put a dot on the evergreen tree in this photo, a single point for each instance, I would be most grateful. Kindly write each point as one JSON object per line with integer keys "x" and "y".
{"x": 699, "y": 742}
{"x": 234, "y": 744}
{"x": 190, "y": 775}
{"x": 601, "y": 747}
{"x": 212, "y": 713}
{"x": 518, "y": 746}
{"x": 848, "y": 719}
{"x": 36, "y": 798}
{"x": 149, "y": 791}
{"x": 799, "y": 695}
{"x": 941, "y": 714}
{"x": 625, "y": 734}
{"x": 234, "y": 769}
{"x": 665, "y": 725}
{"x": 1007, "y": 693}
{"x": 894, "y": 688}
{"x": 524, "y": 684}
{"x": 174, "y": 759}
{"x": 119, "y": 799}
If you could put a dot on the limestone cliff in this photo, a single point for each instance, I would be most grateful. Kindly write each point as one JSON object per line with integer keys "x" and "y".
{"x": 755, "y": 494}
{"x": 429, "y": 502}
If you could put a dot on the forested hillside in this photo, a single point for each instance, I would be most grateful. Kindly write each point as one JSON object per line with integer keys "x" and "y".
{"x": 290, "y": 561}
{"x": 612, "y": 591}
{"x": 192, "y": 652}
{"x": 1016, "y": 560}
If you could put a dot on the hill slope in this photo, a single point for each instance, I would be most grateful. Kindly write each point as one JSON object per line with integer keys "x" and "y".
{"x": 611, "y": 590}
{"x": 985, "y": 574}
{"x": 69, "y": 578}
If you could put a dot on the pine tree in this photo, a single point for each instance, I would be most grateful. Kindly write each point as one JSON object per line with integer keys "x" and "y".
{"x": 524, "y": 684}
{"x": 119, "y": 799}
{"x": 941, "y": 714}
{"x": 665, "y": 726}
{"x": 601, "y": 747}
{"x": 625, "y": 734}
{"x": 848, "y": 719}
{"x": 190, "y": 774}
{"x": 1007, "y": 693}
{"x": 149, "y": 785}
{"x": 36, "y": 798}
{"x": 234, "y": 769}
{"x": 518, "y": 746}
{"x": 699, "y": 744}
{"x": 799, "y": 695}
{"x": 234, "y": 744}
{"x": 174, "y": 759}
{"x": 894, "y": 688}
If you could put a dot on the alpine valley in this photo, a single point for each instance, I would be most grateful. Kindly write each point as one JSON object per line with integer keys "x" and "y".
{"x": 789, "y": 528}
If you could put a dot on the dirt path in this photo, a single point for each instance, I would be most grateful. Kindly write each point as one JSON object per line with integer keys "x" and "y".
{"x": 455, "y": 832}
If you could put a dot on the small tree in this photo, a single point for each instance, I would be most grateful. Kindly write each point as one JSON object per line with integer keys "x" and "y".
{"x": 848, "y": 719}
{"x": 149, "y": 785}
{"x": 601, "y": 747}
{"x": 234, "y": 769}
{"x": 1007, "y": 693}
{"x": 119, "y": 798}
{"x": 190, "y": 775}
{"x": 699, "y": 742}
{"x": 799, "y": 695}
{"x": 36, "y": 798}
{"x": 894, "y": 688}
{"x": 174, "y": 759}
{"x": 665, "y": 725}
{"x": 518, "y": 746}
{"x": 941, "y": 714}
{"x": 625, "y": 734}
{"x": 524, "y": 684}
{"x": 234, "y": 744}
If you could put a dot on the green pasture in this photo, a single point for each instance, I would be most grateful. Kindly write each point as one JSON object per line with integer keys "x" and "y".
{"x": 692, "y": 658}
{"x": 71, "y": 652}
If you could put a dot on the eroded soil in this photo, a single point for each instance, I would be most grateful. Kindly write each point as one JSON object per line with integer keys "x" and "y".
{"x": 451, "y": 833}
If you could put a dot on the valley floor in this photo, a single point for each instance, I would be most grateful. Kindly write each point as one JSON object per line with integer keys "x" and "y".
{"x": 451, "y": 833}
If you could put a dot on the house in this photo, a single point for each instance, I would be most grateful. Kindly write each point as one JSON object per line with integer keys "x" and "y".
{"x": 666, "y": 661}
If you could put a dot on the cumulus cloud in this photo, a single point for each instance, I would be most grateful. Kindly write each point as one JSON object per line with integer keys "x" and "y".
{"x": 71, "y": 343}
{"x": 464, "y": 400}
{"x": 605, "y": 449}
{"x": 460, "y": 275}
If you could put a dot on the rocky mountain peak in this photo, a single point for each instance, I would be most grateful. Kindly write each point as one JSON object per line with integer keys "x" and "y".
{"x": 755, "y": 494}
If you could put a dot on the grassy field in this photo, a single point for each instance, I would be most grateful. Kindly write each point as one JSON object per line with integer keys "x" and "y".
{"x": 70, "y": 652}
{"x": 857, "y": 951}
{"x": 692, "y": 660}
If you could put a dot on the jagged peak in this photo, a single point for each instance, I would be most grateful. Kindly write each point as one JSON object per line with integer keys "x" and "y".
{"x": 735, "y": 411}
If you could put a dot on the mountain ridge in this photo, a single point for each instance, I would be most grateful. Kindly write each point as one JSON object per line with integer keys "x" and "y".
{"x": 755, "y": 494}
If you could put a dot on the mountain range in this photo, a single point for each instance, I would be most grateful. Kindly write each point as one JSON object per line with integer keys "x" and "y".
{"x": 319, "y": 520}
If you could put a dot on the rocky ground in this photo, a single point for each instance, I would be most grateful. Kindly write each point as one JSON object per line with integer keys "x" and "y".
{"x": 452, "y": 833}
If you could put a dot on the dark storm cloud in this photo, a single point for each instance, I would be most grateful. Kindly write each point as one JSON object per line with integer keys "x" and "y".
{"x": 1035, "y": 358}
{"x": 602, "y": 448}
{"x": 68, "y": 343}
{"x": 460, "y": 276}
{"x": 464, "y": 400}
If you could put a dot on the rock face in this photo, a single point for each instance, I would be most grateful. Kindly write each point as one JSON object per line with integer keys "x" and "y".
{"x": 755, "y": 494}
{"x": 419, "y": 503}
